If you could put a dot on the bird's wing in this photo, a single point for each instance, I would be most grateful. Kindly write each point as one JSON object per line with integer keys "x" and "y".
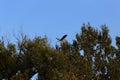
{"x": 63, "y": 37}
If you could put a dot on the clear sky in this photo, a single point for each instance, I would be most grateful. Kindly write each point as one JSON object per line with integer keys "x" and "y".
{"x": 55, "y": 18}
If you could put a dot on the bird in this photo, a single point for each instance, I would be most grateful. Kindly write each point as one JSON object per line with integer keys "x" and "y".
{"x": 62, "y": 39}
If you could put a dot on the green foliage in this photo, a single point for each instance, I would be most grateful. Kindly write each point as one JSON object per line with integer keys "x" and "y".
{"x": 91, "y": 56}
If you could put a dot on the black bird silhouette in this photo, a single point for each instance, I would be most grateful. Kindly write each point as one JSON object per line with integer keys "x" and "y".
{"x": 62, "y": 38}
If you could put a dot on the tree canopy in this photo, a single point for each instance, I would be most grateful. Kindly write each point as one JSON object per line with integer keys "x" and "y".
{"x": 91, "y": 56}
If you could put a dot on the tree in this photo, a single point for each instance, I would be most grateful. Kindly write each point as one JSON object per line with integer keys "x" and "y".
{"x": 91, "y": 56}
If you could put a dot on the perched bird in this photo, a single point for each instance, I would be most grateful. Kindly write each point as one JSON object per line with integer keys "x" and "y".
{"x": 62, "y": 39}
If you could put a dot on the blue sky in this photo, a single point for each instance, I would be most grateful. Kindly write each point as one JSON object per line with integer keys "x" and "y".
{"x": 55, "y": 18}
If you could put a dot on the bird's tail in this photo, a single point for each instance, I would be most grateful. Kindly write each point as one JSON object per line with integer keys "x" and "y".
{"x": 58, "y": 39}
